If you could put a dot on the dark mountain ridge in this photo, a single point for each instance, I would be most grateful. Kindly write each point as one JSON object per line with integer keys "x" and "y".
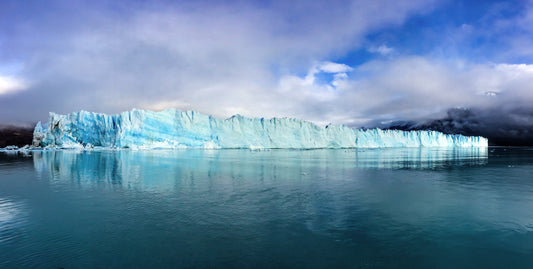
{"x": 502, "y": 127}
{"x": 15, "y": 135}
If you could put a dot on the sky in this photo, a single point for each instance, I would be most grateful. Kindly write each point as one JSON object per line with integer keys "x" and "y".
{"x": 342, "y": 62}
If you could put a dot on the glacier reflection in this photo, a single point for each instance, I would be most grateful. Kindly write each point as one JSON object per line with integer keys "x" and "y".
{"x": 164, "y": 169}
{"x": 419, "y": 158}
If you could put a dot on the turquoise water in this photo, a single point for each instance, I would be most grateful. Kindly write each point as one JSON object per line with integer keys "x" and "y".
{"x": 390, "y": 208}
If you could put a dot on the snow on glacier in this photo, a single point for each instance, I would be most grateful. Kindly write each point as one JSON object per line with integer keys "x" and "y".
{"x": 140, "y": 129}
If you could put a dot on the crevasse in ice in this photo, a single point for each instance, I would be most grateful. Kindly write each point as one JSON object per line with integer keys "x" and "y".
{"x": 141, "y": 129}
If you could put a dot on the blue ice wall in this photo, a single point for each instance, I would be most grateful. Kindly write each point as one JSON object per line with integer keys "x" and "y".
{"x": 140, "y": 129}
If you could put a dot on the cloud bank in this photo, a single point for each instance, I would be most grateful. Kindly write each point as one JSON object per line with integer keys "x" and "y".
{"x": 218, "y": 58}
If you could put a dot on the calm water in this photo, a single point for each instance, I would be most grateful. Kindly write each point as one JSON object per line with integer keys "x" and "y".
{"x": 389, "y": 208}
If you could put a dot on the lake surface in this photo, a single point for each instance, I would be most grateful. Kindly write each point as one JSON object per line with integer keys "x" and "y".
{"x": 388, "y": 208}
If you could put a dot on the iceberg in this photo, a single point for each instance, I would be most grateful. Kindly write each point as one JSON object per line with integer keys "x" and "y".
{"x": 174, "y": 129}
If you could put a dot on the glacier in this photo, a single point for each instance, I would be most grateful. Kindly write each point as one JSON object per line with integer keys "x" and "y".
{"x": 175, "y": 129}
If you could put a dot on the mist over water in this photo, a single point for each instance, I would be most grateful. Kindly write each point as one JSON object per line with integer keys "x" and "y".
{"x": 375, "y": 208}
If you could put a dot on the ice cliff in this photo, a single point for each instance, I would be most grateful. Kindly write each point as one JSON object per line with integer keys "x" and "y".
{"x": 140, "y": 129}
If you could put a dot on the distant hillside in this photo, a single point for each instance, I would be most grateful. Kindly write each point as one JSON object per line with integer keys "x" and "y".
{"x": 501, "y": 127}
{"x": 18, "y": 136}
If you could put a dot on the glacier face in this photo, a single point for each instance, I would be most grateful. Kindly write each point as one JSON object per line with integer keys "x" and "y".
{"x": 140, "y": 129}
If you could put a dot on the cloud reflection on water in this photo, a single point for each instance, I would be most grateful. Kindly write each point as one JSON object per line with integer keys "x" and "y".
{"x": 12, "y": 218}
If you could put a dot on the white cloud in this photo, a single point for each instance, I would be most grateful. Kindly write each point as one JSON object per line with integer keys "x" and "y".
{"x": 338, "y": 70}
{"x": 211, "y": 56}
{"x": 11, "y": 84}
{"x": 307, "y": 88}
{"x": 383, "y": 50}
{"x": 263, "y": 61}
{"x": 417, "y": 87}
{"x": 331, "y": 67}
{"x": 159, "y": 106}
{"x": 408, "y": 88}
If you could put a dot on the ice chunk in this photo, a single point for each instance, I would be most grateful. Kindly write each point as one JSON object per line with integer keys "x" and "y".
{"x": 140, "y": 129}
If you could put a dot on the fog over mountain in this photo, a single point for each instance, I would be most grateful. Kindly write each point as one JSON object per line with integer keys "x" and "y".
{"x": 503, "y": 127}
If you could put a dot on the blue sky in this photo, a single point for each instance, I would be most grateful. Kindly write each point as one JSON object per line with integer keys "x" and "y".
{"x": 344, "y": 62}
